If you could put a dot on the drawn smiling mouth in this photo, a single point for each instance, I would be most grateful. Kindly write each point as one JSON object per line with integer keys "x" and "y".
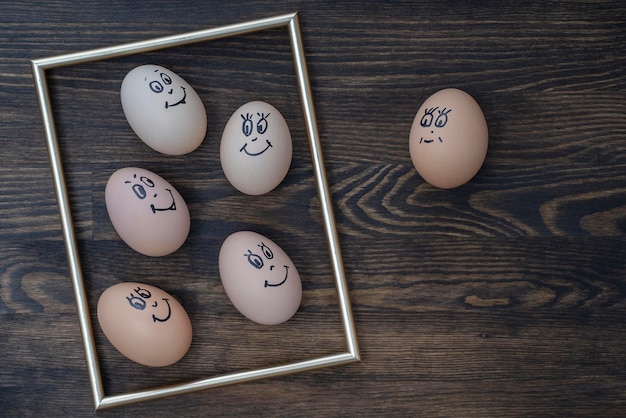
{"x": 245, "y": 149}
{"x": 169, "y": 312}
{"x": 278, "y": 284}
{"x": 172, "y": 206}
{"x": 181, "y": 101}
{"x": 428, "y": 141}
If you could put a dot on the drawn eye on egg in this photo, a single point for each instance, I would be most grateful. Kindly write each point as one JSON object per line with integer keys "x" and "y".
{"x": 442, "y": 118}
{"x": 247, "y": 125}
{"x": 138, "y": 188}
{"x": 427, "y": 119}
{"x": 255, "y": 260}
{"x": 262, "y": 124}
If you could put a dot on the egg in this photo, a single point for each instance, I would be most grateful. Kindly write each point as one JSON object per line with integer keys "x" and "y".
{"x": 165, "y": 112}
{"x": 259, "y": 278}
{"x": 146, "y": 211}
{"x": 448, "y": 139}
{"x": 256, "y": 148}
{"x": 144, "y": 323}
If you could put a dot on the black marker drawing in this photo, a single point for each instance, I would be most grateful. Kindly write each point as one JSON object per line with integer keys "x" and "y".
{"x": 247, "y": 125}
{"x": 257, "y": 262}
{"x": 247, "y": 128}
{"x": 138, "y": 189}
{"x": 172, "y": 206}
{"x": 169, "y": 311}
{"x": 439, "y": 122}
{"x": 266, "y": 251}
{"x": 158, "y": 87}
{"x": 283, "y": 281}
{"x": 138, "y": 302}
{"x": 141, "y": 193}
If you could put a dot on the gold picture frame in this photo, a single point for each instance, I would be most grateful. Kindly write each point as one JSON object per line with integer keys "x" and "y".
{"x": 291, "y": 23}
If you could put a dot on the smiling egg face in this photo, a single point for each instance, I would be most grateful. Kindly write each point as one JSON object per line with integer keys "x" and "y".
{"x": 146, "y": 211}
{"x": 259, "y": 278}
{"x": 448, "y": 139}
{"x": 144, "y": 323}
{"x": 256, "y": 148}
{"x": 165, "y": 112}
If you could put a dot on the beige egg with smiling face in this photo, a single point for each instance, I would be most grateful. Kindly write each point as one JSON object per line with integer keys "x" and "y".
{"x": 144, "y": 323}
{"x": 256, "y": 148}
{"x": 147, "y": 212}
{"x": 163, "y": 110}
{"x": 259, "y": 278}
{"x": 448, "y": 139}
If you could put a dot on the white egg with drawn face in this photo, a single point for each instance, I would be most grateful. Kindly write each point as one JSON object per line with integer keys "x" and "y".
{"x": 259, "y": 278}
{"x": 146, "y": 211}
{"x": 256, "y": 148}
{"x": 163, "y": 110}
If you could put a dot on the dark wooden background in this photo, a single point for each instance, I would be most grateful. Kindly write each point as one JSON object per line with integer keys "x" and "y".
{"x": 504, "y": 297}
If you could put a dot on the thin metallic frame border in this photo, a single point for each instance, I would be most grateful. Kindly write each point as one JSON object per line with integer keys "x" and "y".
{"x": 39, "y": 67}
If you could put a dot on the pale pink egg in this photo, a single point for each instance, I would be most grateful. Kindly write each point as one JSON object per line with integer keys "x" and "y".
{"x": 147, "y": 212}
{"x": 259, "y": 278}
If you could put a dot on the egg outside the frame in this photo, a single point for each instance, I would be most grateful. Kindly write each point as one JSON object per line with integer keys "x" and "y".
{"x": 163, "y": 110}
{"x": 147, "y": 212}
{"x": 259, "y": 278}
{"x": 256, "y": 148}
{"x": 448, "y": 139}
{"x": 144, "y": 323}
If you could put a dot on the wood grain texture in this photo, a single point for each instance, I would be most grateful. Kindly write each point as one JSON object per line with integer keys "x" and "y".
{"x": 504, "y": 297}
